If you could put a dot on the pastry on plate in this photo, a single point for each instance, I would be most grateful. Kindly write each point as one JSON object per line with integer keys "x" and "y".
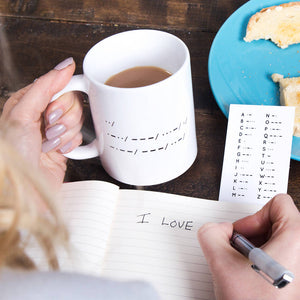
{"x": 289, "y": 88}
{"x": 280, "y": 24}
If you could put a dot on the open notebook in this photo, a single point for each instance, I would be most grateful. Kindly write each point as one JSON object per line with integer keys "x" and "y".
{"x": 143, "y": 235}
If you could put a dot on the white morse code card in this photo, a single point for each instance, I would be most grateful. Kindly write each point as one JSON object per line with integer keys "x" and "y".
{"x": 257, "y": 153}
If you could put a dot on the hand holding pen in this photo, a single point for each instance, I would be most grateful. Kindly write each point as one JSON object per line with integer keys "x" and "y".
{"x": 275, "y": 229}
{"x": 263, "y": 263}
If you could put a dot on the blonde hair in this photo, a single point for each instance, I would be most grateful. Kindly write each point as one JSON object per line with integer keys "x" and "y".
{"x": 27, "y": 211}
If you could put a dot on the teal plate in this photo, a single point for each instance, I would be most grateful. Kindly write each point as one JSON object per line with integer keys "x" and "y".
{"x": 240, "y": 72}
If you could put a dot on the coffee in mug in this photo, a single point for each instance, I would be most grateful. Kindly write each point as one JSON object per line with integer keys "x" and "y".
{"x": 144, "y": 135}
{"x": 138, "y": 77}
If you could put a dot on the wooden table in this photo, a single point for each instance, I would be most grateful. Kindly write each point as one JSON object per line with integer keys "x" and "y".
{"x": 37, "y": 34}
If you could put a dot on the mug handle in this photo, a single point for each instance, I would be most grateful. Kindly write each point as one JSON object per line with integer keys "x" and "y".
{"x": 79, "y": 83}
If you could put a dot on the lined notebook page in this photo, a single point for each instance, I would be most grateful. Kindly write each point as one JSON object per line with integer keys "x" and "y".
{"x": 154, "y": 238}
{"x": 88, "y": 207}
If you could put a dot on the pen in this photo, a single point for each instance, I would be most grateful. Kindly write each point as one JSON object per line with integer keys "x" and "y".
{"x": 265, "y": 265}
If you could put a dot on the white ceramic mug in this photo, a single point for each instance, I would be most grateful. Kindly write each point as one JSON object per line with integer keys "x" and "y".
{"x": 145, "y": 135}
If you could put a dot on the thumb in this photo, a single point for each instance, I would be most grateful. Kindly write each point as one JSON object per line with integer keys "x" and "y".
{"x": 272, "y": 219}
{"x": 34, "y": 102}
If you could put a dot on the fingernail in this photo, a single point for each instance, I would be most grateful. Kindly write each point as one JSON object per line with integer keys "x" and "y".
{"x": 55, "y": 131}
{"x": 64, "y": 64}
{"x": 50, "y": 144}
{"x": 54, "y": 116}
{"x": 66, "y": 148}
